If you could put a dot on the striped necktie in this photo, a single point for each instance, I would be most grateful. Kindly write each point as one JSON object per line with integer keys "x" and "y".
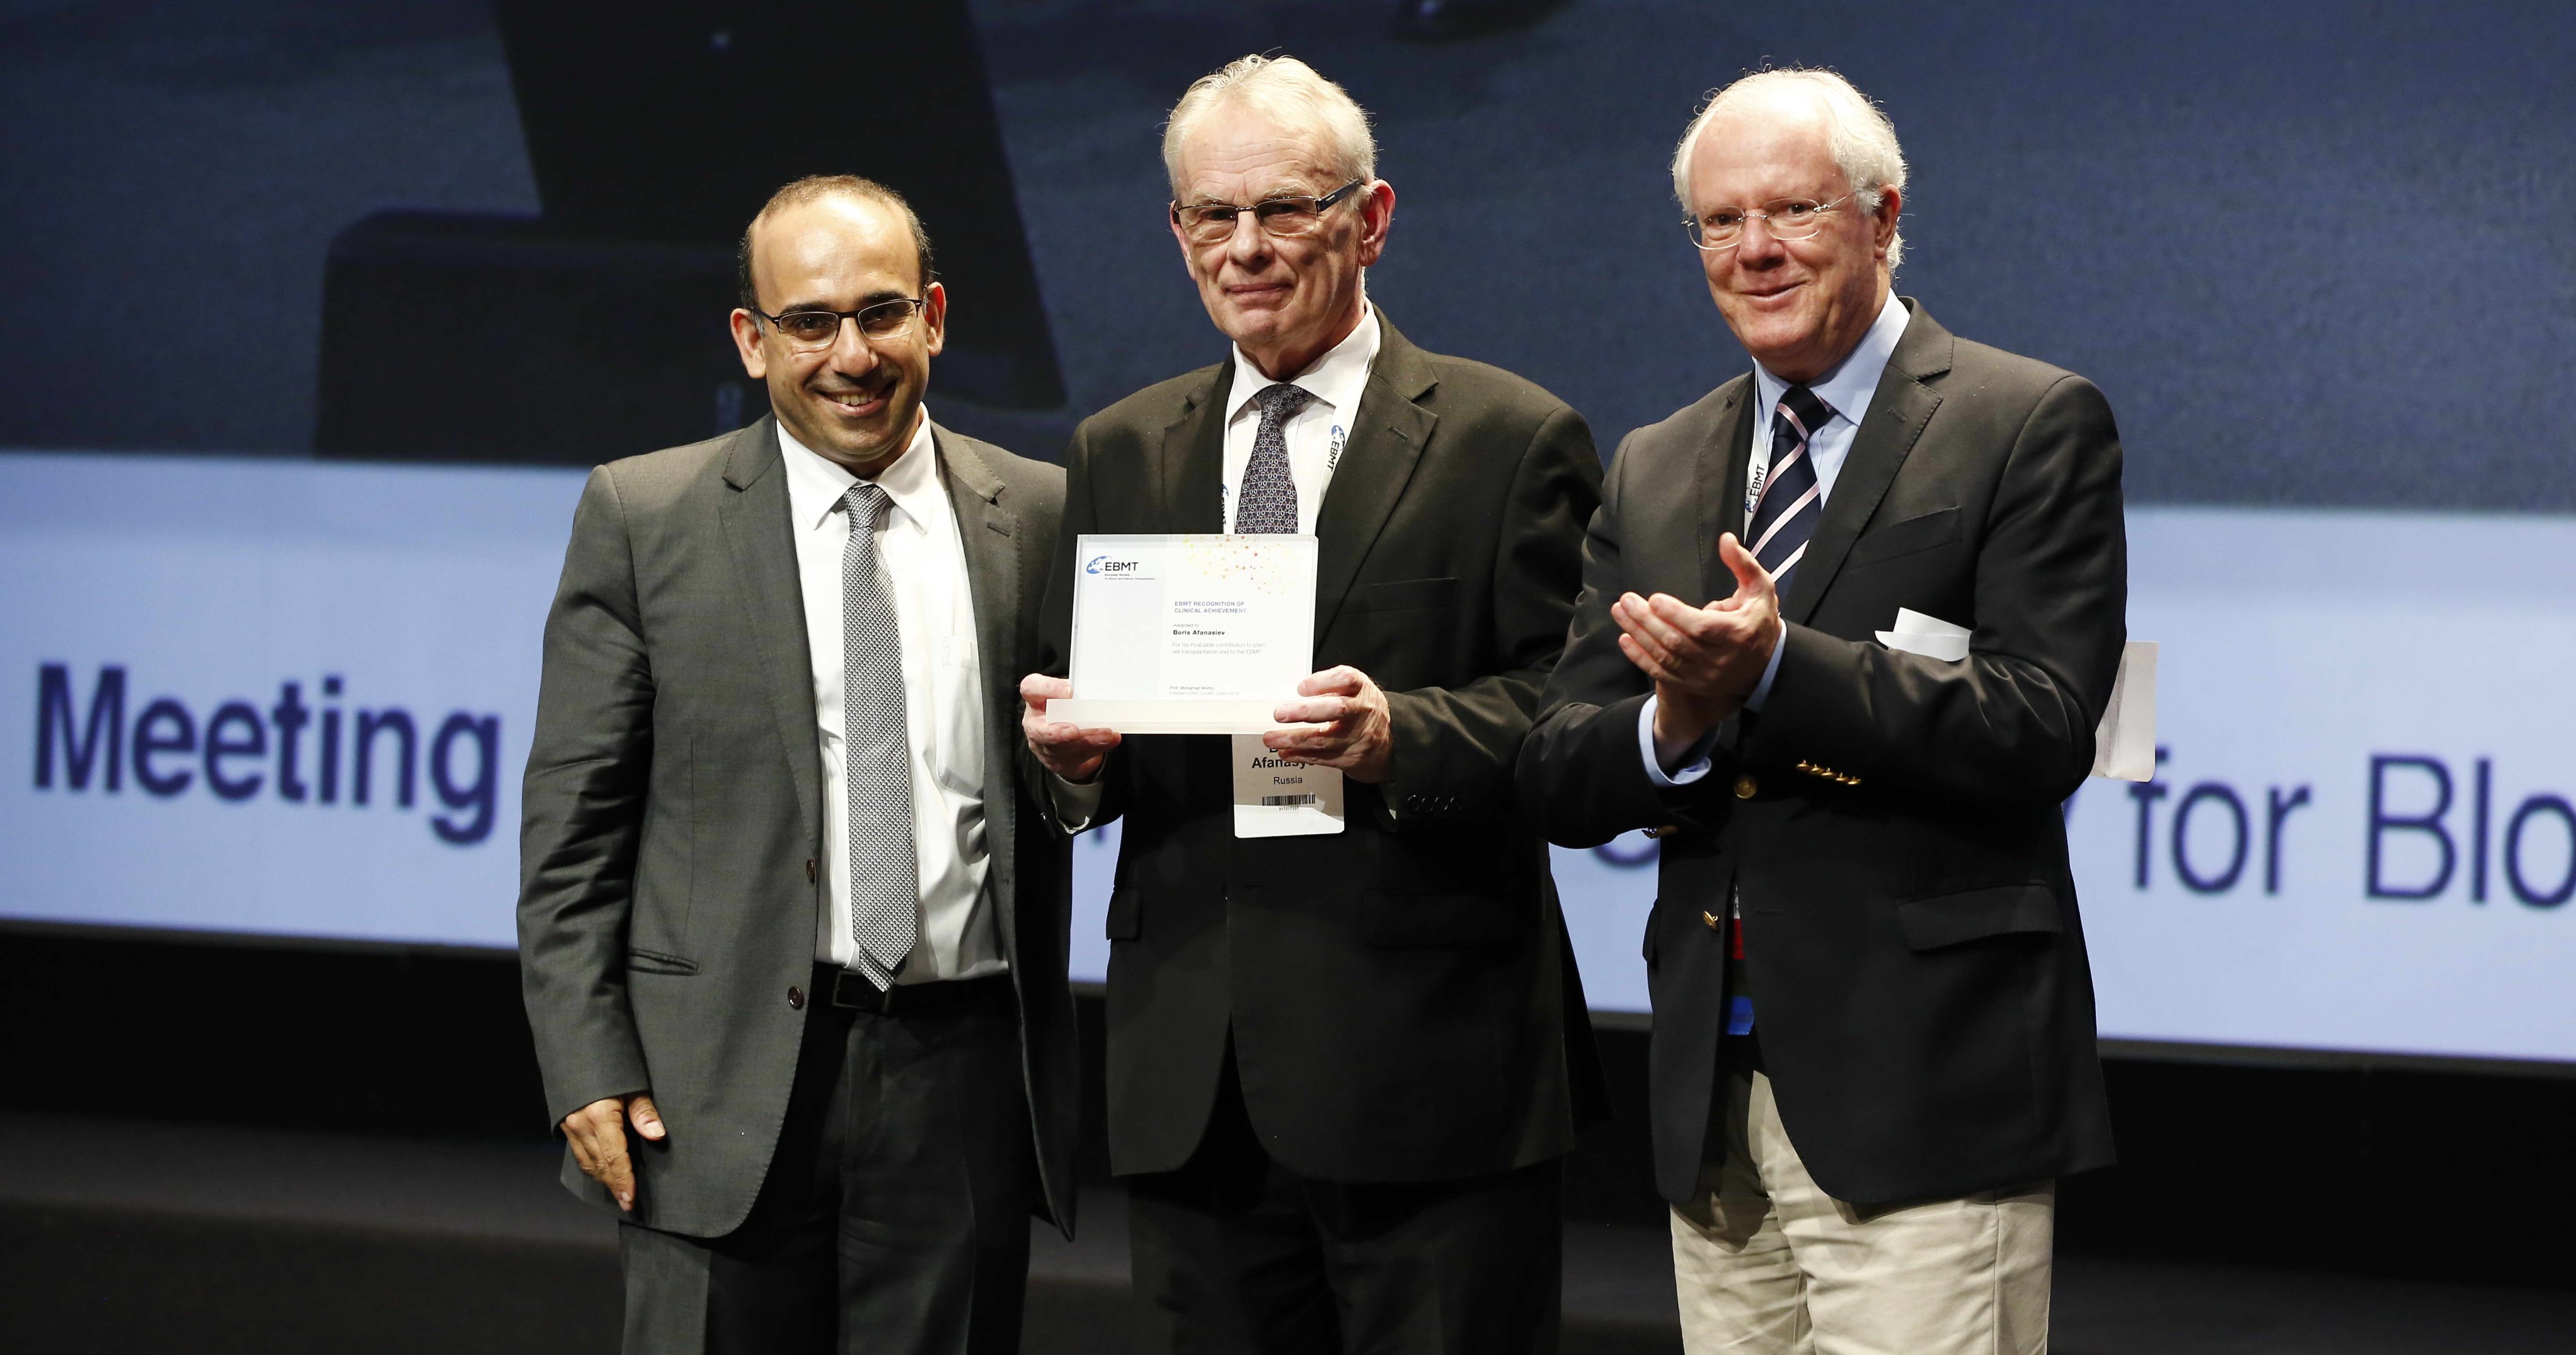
{"x": 885, "y": 884}
{"x": 1791, "y": 498}
{"x": 1266, "y": 501}
{"x": 1785, "y": 511}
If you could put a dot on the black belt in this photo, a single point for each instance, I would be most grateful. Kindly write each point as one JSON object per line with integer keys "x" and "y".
{"x": 850, "y": 988}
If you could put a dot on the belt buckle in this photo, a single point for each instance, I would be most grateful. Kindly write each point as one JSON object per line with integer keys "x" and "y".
{"x": 851, "y": 989}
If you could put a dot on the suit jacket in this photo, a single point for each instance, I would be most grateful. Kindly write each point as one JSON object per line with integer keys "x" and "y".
{"x": 673, "y": 812}
{"x": 1890, "y": 822}
{"x": 1400, "y": 997}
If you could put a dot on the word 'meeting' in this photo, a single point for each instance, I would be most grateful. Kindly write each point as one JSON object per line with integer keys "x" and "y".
{"x": 238, "y": 750}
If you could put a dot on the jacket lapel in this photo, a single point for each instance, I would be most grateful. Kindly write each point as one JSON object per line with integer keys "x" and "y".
{"x": 1723, "y": 462}
{"x": 758, "y": 531}
{"x": 1388, "y": 433}
{"x": 1896, "y": 418}
{"x": 1191, "y": 462}
{"x": 989, "y": 533}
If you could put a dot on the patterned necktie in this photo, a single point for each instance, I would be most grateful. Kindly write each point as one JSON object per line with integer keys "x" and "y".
{"x": 1784, "y": 519}
{"x": 884, "y": 882}
{"x": 1792, "y": 499}
{"x": 1267, "y": 499}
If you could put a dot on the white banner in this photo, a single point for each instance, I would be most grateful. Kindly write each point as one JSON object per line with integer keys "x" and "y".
{"x": 294, "y": 697}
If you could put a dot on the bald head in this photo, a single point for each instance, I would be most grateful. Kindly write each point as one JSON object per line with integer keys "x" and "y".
{"x": 818, "y": 188}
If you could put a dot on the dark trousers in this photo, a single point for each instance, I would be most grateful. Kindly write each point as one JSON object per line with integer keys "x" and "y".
{"x": 895, "y": 1216}
{"x": 1234, "y": 1253}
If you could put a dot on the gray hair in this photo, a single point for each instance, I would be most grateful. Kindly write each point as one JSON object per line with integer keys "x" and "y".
{"x": 1287, "y": 92}
{"x": 1863, "y": 140}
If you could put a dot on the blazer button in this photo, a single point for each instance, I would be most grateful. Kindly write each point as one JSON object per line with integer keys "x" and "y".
{"x": 1746, "y": 787}
{"x": 809, "y": 870}
{"x": 795, "y": 998}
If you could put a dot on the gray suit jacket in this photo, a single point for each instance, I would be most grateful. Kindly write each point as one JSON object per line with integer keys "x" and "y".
{"x": 673, "y": 812}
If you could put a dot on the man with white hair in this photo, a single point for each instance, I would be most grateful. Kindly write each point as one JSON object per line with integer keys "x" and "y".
{"x": 1343, "y": 1066}
{"x": 1873, "y": 1047}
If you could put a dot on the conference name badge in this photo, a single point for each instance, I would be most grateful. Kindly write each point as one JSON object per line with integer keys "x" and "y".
{"x": 1274, "y": 797}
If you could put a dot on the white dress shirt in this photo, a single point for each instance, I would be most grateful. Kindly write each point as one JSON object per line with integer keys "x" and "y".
{"x": 1315, "y": 434}
{"x": 1315, "y": 437}
{"x": 1847, "y": 391}
{"x": 924, "y": 564}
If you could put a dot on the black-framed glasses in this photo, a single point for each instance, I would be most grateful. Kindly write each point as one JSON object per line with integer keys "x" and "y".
{"x": 1209, "y": 223}
{"x": 1787, "y": 218}
{"x": 878, "y": 320}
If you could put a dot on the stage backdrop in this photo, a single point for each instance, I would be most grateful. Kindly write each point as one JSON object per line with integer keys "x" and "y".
{"x": 293, "y": 698}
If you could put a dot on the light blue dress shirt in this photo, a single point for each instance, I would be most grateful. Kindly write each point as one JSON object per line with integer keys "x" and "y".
{"x": 1846, "y": 390}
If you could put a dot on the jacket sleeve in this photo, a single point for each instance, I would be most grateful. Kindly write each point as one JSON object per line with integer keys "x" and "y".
{"x": 1455, "y": 747}
{"x": 1055, "y": 648}
{"x": 1581, "y": 773}
{"x": 583, "y": 813}
{"x": 2014, "y": 722}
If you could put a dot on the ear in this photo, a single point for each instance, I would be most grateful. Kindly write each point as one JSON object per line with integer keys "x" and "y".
{"x": 934, "y": 316}
{"x": 1891, "y": 202}
{"x": 746, "y": 343}
{"x": 1377, "y": 217}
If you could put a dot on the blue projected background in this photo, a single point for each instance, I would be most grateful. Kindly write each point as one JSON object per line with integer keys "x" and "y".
{"x": 2316, "y": 255}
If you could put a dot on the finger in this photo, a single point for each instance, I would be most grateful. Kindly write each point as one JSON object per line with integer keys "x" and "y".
{"x": 1037, "y": 689}
{"x": 578, "y": 1136}
{"x": 1646, "y": 662}
{"x": 1313, "y": 711}
{"x": 1654, "y": 625}
{"x": 1642, "y": 642}
{"x": 616, "y": 1173}
{"x": 1342, "y": 680}
{"x": 647, "y": 1120}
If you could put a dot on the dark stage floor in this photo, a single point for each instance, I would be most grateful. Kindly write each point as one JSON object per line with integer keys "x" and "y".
{"x": 122, "y": 1235}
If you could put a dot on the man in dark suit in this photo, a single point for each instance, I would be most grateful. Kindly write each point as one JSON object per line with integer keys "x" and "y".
{"x": 793, "y": 948}
{"x": 1873, "y": 1045}
{"x": 1342, "y": 1066}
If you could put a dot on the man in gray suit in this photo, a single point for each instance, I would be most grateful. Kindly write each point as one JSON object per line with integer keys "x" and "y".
{"x": 793, "y": 951}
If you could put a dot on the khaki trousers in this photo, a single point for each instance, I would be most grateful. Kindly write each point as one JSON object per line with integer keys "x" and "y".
{"x": 1768, "y": 1263}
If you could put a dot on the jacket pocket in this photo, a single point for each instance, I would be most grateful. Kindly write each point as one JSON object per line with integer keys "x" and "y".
{"x": 1949, "y": 919}
{"x": 1126, "y": 914}
{"x": 1435, "y": 919}
{"x": 656, "y": 962}
{"x": 1921, "y": 532}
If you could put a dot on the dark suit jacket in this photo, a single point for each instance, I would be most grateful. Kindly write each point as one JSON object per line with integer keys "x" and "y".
{"x": 673, "y": 811}
{"x": 1891, "y": 821}
{"x": 1401, "y": 998}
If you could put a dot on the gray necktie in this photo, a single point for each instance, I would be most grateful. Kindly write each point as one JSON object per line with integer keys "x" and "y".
{"x": 1267, "y": 499}
{"x": 884, "y": 882}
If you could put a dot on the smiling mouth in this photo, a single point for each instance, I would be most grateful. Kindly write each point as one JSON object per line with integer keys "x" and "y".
{"x": 1773, "y": 293}
{"x": 856, "y": 404}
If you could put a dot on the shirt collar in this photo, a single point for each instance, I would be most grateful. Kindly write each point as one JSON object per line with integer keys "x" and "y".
{"x": 1846, "y": 390}
{"x": 1336, "y": 379}
{"x": 816, "y": 484}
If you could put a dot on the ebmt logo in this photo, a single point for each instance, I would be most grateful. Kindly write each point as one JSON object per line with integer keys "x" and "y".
{"x": 1102, "y": 564}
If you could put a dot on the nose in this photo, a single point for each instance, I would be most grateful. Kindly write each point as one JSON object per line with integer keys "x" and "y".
{"x": 1757, "y": 247}
{"x": 851, "y": 353}
{"x": 1249, "y": 246}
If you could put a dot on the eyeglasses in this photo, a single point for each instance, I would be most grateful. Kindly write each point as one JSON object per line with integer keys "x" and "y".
{"x": 1210, "y": 223}
{"x": 1787, "y": 218}
{"x": 820, "y": 328}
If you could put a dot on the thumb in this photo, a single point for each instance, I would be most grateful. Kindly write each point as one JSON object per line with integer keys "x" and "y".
{"x": 1750, "y": 578}
{"x": 647, "y": 1120}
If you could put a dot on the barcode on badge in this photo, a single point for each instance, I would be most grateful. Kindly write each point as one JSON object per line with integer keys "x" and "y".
{"x": 1287, "y": 801}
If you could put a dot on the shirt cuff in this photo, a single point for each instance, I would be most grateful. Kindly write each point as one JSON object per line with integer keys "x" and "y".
{"x": 1695, "y": 761}
{"x": 1762, "y": 689}
{"x": 1075, "y": 806}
